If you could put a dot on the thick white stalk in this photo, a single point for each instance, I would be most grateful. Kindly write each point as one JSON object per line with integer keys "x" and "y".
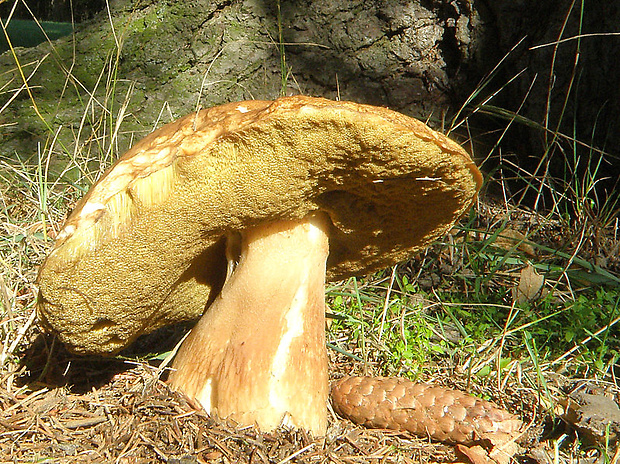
{"x": 258, "y": 354}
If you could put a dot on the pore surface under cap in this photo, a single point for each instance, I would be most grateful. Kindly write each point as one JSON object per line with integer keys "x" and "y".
{"x": 145, "y": 247}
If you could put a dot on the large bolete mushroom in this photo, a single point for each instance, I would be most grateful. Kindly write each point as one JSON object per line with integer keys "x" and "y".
{"x": 243, "y": 209}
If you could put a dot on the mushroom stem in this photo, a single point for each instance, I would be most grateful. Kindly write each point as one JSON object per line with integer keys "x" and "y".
{"x": 258, "y": 354}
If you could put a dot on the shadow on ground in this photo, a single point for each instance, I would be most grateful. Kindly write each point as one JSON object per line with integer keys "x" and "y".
{"x": 46, "y": 362}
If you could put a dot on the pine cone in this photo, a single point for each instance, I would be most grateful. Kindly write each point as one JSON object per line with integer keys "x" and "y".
{"x": 445, "y": 415}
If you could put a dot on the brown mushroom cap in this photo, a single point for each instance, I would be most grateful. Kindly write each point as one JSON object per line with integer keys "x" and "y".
{"x": 145, "y": 247}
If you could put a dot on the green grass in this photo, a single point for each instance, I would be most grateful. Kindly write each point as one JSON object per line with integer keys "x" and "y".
{"x": 406, "y": 327}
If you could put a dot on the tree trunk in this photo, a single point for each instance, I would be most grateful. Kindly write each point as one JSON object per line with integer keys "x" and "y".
{"x": 149, "y": 62}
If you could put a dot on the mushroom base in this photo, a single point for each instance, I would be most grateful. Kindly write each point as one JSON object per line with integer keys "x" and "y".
{"x": 258, "y": 356}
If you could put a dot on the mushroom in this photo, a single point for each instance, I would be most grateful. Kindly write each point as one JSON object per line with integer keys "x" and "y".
{"x": 244, "y": 209}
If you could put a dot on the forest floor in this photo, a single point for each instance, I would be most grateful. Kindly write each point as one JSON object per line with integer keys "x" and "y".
{"x": 502, "y": 308}
{"x": 518, "y": 304}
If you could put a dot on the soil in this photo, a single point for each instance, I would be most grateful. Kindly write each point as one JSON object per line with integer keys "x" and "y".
{"x": 76, "y": 409}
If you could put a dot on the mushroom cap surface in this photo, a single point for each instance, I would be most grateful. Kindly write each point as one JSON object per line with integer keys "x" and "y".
{"x": 145, "y": 247}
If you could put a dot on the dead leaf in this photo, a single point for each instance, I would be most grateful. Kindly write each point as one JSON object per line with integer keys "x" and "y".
{"x": 476, "y": 454}
{"x": 596, "y": 416}
{"x": 510, "y": 239}
{"x": 500, "y": 453}
{"x": 503, "y": 452}
{"x": 529, "y": 287}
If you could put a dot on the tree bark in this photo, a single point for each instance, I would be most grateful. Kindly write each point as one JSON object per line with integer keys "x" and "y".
{"x": 148, "y": 62}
